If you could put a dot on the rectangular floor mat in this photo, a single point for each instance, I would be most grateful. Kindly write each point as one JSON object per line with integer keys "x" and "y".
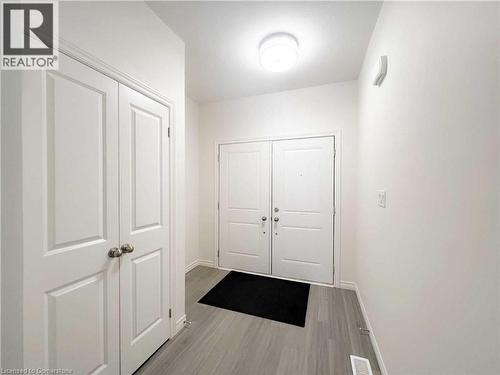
{"x": 281, "y": 300}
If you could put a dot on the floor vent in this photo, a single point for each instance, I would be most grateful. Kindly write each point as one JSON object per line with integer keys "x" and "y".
{"x": 360, "y": 366}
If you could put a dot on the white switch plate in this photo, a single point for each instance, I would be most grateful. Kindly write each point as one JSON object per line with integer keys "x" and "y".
{"x": 381, "y": 198}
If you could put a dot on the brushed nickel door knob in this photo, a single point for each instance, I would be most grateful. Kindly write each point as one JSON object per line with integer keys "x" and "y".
{"x": 264, "y": 218}
{"x": 126, "y": 248}
{"x": 114, "y": 252}
{"x": 276, "y": 219}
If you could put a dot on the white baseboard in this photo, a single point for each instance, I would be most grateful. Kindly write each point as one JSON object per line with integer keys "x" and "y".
{"x": 348, "y": 285}
{"x": 353, "y": 286}
{"x": 191, "y": 265}
{"x": 179, "y": 324}
{"x": 199, "y": 262}
{"x": 206, "y": 263}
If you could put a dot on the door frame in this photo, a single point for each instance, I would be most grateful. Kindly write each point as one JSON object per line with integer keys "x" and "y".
{"x": 100, "y": 66}
{"x": 337, "y": 183}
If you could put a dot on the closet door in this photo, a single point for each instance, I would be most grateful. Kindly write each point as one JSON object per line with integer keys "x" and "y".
{"x": 303, "y": 209}
{"x": 144, "y": 227}
{"x": 70, "y": 216}
{"x": 245, "y": 177}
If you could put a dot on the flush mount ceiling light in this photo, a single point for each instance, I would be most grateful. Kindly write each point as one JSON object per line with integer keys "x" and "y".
{"x": 279, "y": 52}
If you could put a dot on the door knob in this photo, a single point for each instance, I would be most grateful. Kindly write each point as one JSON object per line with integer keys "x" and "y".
{"x": 114, "y": 252}
{"x": 126, "y": 248}
{"x": 264, "y": 218}
{"x": 276, "y": 219}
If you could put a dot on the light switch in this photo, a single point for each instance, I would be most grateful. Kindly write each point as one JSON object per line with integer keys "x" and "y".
{"x": 381, "y": 198}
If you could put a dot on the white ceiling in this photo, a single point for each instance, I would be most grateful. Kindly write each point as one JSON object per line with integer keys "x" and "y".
{"x": 222, "y": 40}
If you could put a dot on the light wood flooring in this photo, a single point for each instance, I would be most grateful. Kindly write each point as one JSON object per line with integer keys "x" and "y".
{"x": 224, "y": 342}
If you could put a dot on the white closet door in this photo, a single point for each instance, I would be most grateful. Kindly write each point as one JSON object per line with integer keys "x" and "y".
{"x": 144, "y": 225}
{"x": 303, "y": 208}
{"x": 70, "y": 174}
{"x": 244, "y": 206}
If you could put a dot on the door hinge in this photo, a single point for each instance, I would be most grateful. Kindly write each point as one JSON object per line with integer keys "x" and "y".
{"x": 218, "y": 252}
{"x": 218, "y": 157}
{"x": 168, "y": 132}
{"x": 218, "y": 205}
{"x": 169, "y": 313}
{"x": 334, "y": 211}
{"x": 334, "y": 152}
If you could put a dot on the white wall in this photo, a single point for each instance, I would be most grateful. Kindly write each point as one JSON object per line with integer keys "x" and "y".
{"x": 312, "y": 110}
{"x": 131, "y": 38}
{"x": 192, "y": 185}
{"x": 427, "y": 264}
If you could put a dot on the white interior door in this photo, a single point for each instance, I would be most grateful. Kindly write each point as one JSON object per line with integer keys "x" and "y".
{"x": 70, "y": 170}
{"x": 245, "y": 176}
{"x": 144, "y": 226}
{"x": 303, "y": 209}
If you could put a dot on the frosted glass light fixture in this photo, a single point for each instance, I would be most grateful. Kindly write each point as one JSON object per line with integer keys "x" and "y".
{"x": 279, "y": 52}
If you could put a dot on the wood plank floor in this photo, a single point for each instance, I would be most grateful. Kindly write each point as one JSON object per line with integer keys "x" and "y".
{"x": 224, "y": 342}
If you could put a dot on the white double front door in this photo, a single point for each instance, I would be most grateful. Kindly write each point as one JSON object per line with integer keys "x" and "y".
{"x": 276, "y": 208}
{"x": 96, "y": 170}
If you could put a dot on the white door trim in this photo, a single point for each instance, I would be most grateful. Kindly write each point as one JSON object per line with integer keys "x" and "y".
{"x": 337, "y": 136}
{"x": 95, "y": 63}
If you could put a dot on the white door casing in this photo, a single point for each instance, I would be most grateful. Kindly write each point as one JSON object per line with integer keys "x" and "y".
{"x": 303, "y": 192}
{"x": 144, "y": 224}
{"x": 245, "y": 176}
{"x": 70, "y": 186}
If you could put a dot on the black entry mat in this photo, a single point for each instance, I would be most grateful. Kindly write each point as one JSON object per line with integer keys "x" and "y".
{"x": 281, "y": 300}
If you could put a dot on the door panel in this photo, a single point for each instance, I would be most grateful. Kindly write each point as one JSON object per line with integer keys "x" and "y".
{"x": 144, "y": 224}
{"x": 65, "y": 151}
{"x": 146, "y": 276}
{"x": 244, "y": 200}
{"x": 303, "y": 171}
{"x": 146, "y": 169}
{"x": 86, "y": 323}
{"x": 70, "y": 166}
